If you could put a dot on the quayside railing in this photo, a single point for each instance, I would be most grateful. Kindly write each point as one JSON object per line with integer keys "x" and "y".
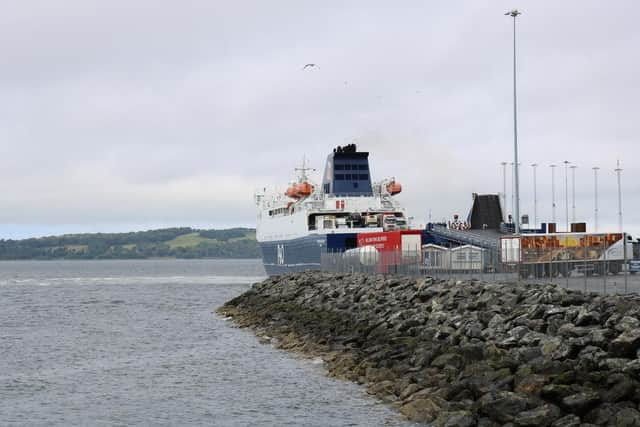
{"x": 466, "y": 262}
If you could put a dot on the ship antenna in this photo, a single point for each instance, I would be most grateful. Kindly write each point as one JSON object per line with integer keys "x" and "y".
{"x": 303, "y": 170}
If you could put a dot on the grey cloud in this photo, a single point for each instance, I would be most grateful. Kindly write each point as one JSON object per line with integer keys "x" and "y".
{"x": 173, "y": 113}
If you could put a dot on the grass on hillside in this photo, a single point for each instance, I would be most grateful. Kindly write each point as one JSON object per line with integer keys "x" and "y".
{"x": 76, "y": 248}
{"x": 194, "y": 239}
{"x": 187, "y": 241}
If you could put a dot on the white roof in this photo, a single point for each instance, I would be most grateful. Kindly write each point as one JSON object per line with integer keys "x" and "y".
{"x": 471, "y": 247}
{"x": 434, "y": 246}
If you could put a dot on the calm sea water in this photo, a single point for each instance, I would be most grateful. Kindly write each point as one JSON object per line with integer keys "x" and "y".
{"x": 138, "y": 343}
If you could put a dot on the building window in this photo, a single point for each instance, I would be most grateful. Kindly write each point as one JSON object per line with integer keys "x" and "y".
{"x": 347, "y": 167}
{"x": 363, "y": 167}
{"x": 347, "y": 176}
{"x": 339, "y": 177}
{"x": 338, "y": 167}
{"x": 364, "y": 176}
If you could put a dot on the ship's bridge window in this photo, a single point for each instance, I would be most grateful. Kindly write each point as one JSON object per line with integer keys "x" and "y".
{"x": 339, "y": 177}
{"x": 364, "y": 176}
{"x": 347, "y": 167}
{"x": 338, "y": 167}
{"x": 363, "y": 167}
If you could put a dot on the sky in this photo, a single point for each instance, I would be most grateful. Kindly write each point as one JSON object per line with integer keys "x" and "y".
{"x": 119, "y": 115}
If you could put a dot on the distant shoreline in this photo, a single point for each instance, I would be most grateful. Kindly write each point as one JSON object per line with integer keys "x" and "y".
{"x": 128, "y": 259}
{"x": 168, "y": 243}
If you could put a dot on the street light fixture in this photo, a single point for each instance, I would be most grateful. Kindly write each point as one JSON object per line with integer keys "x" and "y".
{"x": 514, "y": 13}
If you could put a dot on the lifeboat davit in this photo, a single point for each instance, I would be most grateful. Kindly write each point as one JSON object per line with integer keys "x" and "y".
{"x": 300, "y": 190}
{"x": 394, "y": 187}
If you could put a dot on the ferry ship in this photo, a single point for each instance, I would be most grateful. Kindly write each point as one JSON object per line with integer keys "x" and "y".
{"x": 295, "y": 228}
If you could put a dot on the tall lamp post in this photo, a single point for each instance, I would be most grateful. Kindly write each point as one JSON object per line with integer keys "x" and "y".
{"x": 618, "y": 171}
{"x": 535, "y": 197}
{"x": 573, "y": 193}
{"x": 504, "y": 191}
{"x": 553, "y": 193}
{"x": 514, "y": 13}
{"x": 513, "y": 190}
{"x": 566, "y": 193}
{"x": 595, "y": 188}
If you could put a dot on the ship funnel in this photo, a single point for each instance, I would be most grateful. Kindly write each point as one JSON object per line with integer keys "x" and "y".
{"x": 347, "y": 172}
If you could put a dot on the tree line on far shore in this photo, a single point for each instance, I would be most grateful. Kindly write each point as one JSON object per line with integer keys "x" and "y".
{"x": 182, "y": 242}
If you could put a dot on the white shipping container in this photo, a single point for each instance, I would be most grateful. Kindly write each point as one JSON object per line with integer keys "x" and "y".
{"x": 411, "y": 243}
{"x": 435, "y": 257}
{"x": 467, "y": 257}
{"x": 510, "y": 249}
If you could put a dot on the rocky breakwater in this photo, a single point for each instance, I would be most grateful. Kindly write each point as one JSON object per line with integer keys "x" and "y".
{"x": 461, "y": 353}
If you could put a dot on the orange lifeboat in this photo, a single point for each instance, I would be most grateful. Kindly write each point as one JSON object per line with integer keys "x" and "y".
{"x": 291, "y": 192}
{"x": 394, "y": 187}
{"x": 299, "y": 191}
{"x": 304, "y": 189}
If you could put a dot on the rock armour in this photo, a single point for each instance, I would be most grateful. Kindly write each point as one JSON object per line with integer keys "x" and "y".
{"x": 466, "y": 353}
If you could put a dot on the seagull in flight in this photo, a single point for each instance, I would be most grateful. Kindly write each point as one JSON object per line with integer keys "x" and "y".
{"x": 311, "y": 65}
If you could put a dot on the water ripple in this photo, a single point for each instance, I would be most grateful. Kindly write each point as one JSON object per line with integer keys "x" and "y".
{"x": 136, "y": 343}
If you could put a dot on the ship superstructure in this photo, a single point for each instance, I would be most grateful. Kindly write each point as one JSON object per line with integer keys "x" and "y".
{"x": 294, "y": 228}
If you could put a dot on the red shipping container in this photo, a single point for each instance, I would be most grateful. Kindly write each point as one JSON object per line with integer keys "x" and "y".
{"x": 381, "y": 240}
{"x": 385, "y": 240}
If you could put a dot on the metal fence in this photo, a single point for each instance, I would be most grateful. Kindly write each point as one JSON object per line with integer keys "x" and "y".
{"x": 464, "y": 262}
{"x": 441, "y": 261}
